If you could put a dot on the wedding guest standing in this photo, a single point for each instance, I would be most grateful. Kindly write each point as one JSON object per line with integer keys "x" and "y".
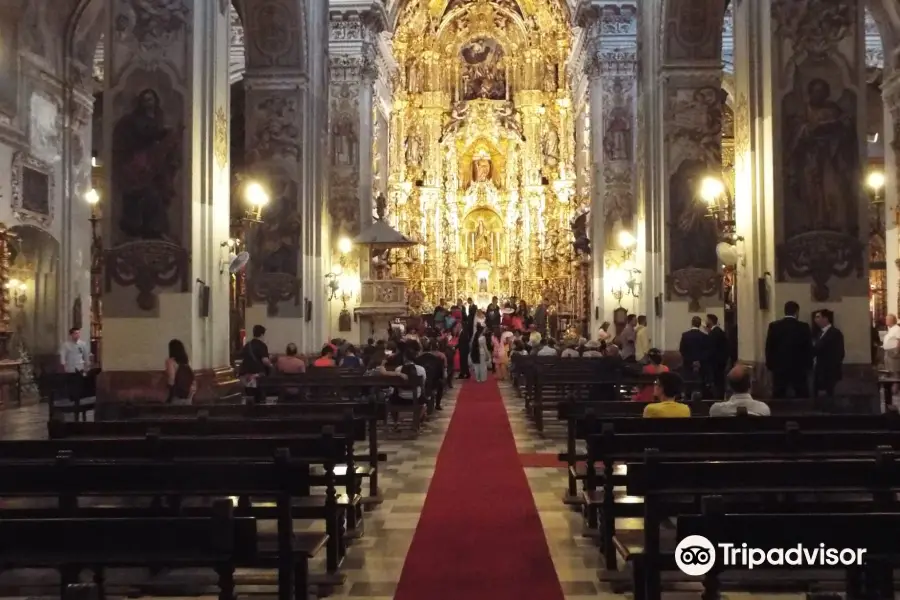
{"x": 829, "y": 354}
{"x": 789, "y": 353}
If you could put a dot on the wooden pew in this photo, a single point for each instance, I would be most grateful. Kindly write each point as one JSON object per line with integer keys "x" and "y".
{"x": 766, "y": 531}
{"x": 851, "y": 485}
{"x": 220, "y": 542}
{"x": 236, "y": 439}
{"x": 371, "y": 411}
{"x": 63, "y": 392}
{"x": 71, "y": 480}
{"x": 554, "y": 381}
{"x": 333, "y": 387}
{"x": 611, "y": 449}
{"x": 594, "y": 422}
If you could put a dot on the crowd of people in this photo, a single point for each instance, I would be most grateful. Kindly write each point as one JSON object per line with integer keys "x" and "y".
{"x": 463, "y": 341}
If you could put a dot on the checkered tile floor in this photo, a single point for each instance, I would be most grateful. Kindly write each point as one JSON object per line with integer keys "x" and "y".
{"x": 374, "y": 562}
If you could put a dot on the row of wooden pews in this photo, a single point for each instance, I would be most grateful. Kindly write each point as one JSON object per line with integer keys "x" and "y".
{"x": 161, "y": 486}
{"x": 823, "y": 481}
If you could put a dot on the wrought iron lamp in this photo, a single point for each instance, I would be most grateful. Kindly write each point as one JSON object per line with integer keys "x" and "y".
{"x": 720, "y": 207}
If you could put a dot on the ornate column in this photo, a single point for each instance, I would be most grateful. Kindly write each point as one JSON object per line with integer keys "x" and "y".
{"x": 805, "y": 229}
{"x": 165, "y": 154}
{"x": 281, "y": 147}
{"x": 688, "y": 131}
{"x": 611, "y": 68}
{"x": 354, "y": 66}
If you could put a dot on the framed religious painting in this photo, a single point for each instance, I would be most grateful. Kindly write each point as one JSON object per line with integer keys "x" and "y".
{"x": 32, "y": 190}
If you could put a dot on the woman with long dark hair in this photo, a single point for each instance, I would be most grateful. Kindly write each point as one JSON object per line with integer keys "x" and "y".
{"x": 179, "y": 374}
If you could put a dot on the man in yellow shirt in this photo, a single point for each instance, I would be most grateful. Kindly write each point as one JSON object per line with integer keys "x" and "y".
{"x": 667, "y": 389}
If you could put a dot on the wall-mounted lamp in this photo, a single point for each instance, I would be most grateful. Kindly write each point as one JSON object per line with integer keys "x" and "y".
{"x": 626, "y": 243}
{"x": 257, "y": 198}
{"x": 625, "y": 281}
{"x": 17, "y": 291}
{"x": 332, "y": 281}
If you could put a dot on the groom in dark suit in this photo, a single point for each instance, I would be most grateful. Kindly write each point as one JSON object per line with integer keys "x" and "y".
{"x": 828, "y": 348}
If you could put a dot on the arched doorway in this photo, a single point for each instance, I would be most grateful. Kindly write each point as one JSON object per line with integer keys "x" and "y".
{"x": 34, "y": 294}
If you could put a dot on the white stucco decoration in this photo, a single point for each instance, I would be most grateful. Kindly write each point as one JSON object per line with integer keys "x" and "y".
{"x": 44, "y": 130}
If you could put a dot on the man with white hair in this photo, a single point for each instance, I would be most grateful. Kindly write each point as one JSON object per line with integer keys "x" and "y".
{"x": 891, "y": 344}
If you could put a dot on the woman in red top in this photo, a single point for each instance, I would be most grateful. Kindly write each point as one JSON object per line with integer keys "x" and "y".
{"x": 326, "y": 358}
{"x": 654, "y": 367}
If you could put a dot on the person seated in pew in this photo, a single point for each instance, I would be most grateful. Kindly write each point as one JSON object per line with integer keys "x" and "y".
{"x": 179, "y": 375}
{"x": 289, "y": 363}
{"x": 654, "y": 366}
{"x": 593, "y": 349}
{"x": 738, "y": 380}
{"x": 667, "y": 389}
{"x": 350, "y": 359}
{"x": 410, "y": 369}
{"x": 548, "y": 348}
{"x": 569, "y": 351}
{"x": 326, "y": 357}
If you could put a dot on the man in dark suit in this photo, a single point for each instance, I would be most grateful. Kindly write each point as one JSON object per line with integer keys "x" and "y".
{"x": 718, "y": 355}
{"x": 540, "y": 318}
{"x": 828, "y": 349}
{"x": 789, "y": 353}
{"x": 695, "y": 351}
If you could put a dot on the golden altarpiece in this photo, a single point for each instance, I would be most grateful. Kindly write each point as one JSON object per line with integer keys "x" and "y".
{"x": 482, "y": 153}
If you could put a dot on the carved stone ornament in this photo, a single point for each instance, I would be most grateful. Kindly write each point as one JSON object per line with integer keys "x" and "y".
{"x": 152, "y": 25}
{"x": 220, "y": 141}
{"x": 694, "y": 284}
{"x": 820, "y": 255}
{"x": 273, "y": 288}
{"x": 147, "y": 265}
{"x": 33, "y": 187}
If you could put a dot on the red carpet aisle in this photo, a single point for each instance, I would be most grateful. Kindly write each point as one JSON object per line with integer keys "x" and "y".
{"x": 479, "y": 536}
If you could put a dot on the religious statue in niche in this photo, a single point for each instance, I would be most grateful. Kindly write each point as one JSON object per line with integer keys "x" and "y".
{"x": 344, "y": 150}
{"x": 482, "y": 241}
{"x": 822, "y": 163}
{"x": 147, "y": 156}
{"x": 413, "y": 148}
{"x": 481, "y": 170}
{"x": 551, "y": 146}
{"x": 483, "y": 73}
{"x": 550, "y": 78}
{"x": 617, "y": 139}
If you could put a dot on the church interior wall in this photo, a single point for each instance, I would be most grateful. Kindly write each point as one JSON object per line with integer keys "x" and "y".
{"x": 34, "y": 180}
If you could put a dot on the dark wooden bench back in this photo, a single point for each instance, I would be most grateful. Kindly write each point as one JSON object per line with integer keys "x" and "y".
{"x": 67, "y": 476}
{"x": 631, "y": 446}
{"x": 593, "y": 425}
{"x": 657, "y": 475}
{"x": 310, "y": 448}
{"x": 346, "y": 425}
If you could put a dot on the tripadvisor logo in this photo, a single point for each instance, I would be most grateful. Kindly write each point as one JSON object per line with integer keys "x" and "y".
{"x": 695, "y": 555}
